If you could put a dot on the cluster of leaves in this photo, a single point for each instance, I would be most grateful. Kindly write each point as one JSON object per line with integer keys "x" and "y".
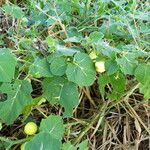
{"x": 115, "y": 30}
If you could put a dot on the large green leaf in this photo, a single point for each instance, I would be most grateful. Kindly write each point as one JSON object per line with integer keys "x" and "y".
{"x": 43, "y": 141}
{"x": 40, "y": 68}
{"x": 7, "y": 65}
{"x": 142, "y": 74}
{"x": 117, "y": 83}
{"x": 82, "y": 70}
{"x": 50, "y": 135}
{"x": 53, "y": 125}
{"x": 59, "y": 90}
{"x": 18, "y": 96}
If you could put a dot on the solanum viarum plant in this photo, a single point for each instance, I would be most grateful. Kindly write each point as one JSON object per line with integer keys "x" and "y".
{"x": 68, "y": 66}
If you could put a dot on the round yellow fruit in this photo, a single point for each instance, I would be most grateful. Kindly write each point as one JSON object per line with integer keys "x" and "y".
{"x": 100, "y": 66}
{"x": 30, "y": 128}
{"x": 93, "y": 55}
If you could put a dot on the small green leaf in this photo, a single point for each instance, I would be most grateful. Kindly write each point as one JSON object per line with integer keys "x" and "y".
{"x": 117, "y": 82}
{"x": 50, "y": 41}
{"x": 81, "y": 71}
{"x": 83, "y": 145}
{"x": 127, "y": 64}
{"x": 111, "y": 67}
{"x": 7, "y": 65}
{"x": 52, "y": 88}
{"x": 73, "y": 39}
{"x": 66, "y": 51}
{"x": 68, "y": 146}
{"x": 14, "y": 11}
{"x": 18, "y": 96}
{"x": 96, "y": 36}
{"x": 40, "y": 68}
{"x": 142, "y": 73}
{"x": 53, "y": 125}
{"x": 53, "y": 56}
{"x": 107, "y": 50}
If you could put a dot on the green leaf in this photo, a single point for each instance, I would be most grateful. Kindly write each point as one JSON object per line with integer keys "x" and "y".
{"x": 54, "y": 56}
{"x": 111, "y": 67}
{"x": 50, "y": 41}
{"x": 68, "y": 146}
{"x": 40, "y": 68}
{"x": 142, "y": 73}
{"x": 59, "y": 90}
{"x": 7, "y": 65}
{"x": 83, "y": 145}
{"x": 14, "y": 11}
{"x": 51, "y": 89}
{"x": 73, "y": 39}
{"x": 66, "y": 51}
{"x": 50, "y": 136}
{"x": 107, "y": 50}
{"x": 53, "y": 125}
{"x": 142, "y": 15}
{"x": 95, "y": 36}
{"x": 127, "y": 64}
{"x": 117, "y": 83}
{"x": 58, "y": 66}
{"x": 73, "y": 34}
{"x": 81, "y": 71}
{"x": 43, "y": 141}
{"x": 18, "y": 96}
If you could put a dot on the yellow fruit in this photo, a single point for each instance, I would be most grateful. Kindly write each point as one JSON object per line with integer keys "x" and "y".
{"x": 100, "y": 66}
{"x": 30, "y": 128}
{"x": 22, "y": 147}
{"x": 93, "y": 55}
